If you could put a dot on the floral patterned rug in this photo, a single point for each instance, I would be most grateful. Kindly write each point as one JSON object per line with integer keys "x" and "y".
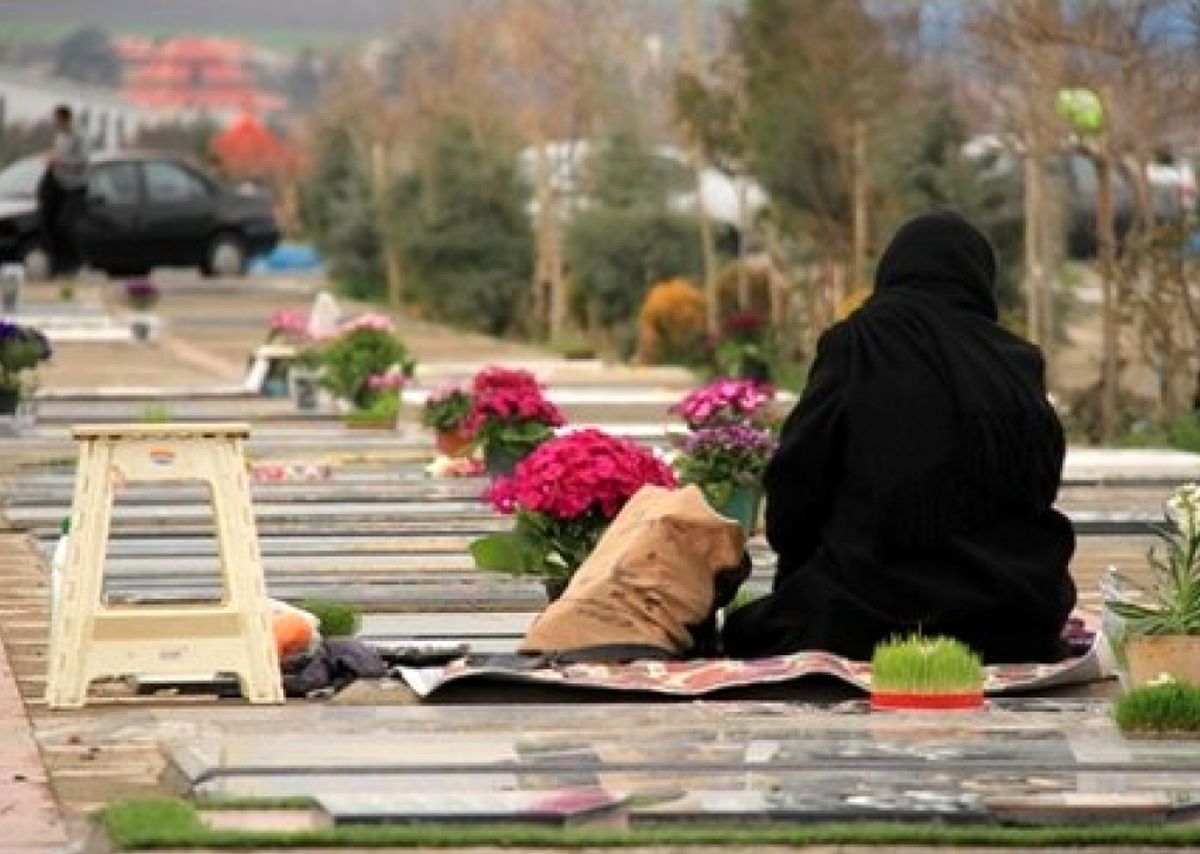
{"x": 699, "y": 677}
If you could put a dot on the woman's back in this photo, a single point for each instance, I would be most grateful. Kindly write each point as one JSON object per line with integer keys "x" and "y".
{"x": 914, "y": 483}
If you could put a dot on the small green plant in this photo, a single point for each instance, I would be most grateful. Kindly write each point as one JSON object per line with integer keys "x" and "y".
{"x": 446, "y": 408}
{"x": 921, "y": 665}
{"x": 66, "y": 291}
{"x": 1170, "y": 603}
{"x": 1161, "y": 707}
{"x": 155, "y": 413}
{"x": 386, "y": 407}
{"x": 337, "y": 619}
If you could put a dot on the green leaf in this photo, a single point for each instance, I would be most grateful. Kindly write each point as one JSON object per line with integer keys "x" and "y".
{"x": 508, "y": 552}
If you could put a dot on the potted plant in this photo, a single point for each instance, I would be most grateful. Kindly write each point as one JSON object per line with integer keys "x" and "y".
{"x": 141, "y": 294}
{"x": 1160, "y": 620}
{"x": 1164, "y": 708}
{"x": 744, "y": 347}
{"x": 446, "y": 411}
{"x": 726, "y": 401}
{"x": 563, "y": 496}
{"x": 353, "y": 360}
{"x": 509, "y": 416}
{"x": 381, "y": 405}
{"x": 727, "y": 462}
{"x": 925, "y": 673}
{"x": 22, "y": 349}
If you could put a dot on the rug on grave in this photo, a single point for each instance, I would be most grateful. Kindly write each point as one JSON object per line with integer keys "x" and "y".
{"x": 699, "y": 677}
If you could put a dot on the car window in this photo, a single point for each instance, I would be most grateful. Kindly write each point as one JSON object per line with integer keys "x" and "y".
{"x": 167, "y": 182}
{"x": 20, "y": 179}
{"x": 114, "y": 183}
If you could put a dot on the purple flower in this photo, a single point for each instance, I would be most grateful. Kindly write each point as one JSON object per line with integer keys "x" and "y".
{"x": 730, "y": 439}
{"x": 141, "y": 288}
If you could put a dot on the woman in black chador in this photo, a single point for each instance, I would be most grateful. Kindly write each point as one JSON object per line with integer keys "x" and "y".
{"x": 914, "y": 482}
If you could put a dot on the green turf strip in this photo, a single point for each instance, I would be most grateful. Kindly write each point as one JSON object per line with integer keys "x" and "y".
{"x": 145, "y": 825}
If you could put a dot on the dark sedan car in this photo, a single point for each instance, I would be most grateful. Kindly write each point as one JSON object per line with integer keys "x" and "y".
{"x": 141, "y": 210}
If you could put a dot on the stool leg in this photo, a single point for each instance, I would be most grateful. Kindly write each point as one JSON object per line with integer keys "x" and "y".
{"x": 242, "y": 574}
{"x": 69, "y": 672}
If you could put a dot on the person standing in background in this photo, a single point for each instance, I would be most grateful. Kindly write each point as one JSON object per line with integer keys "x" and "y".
{"x": 60, "y": 193}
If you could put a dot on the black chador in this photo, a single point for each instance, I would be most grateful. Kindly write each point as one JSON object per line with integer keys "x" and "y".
{"x": 914, "y": 484}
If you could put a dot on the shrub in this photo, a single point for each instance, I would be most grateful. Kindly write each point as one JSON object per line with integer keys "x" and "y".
{"x": 671, "y": 324}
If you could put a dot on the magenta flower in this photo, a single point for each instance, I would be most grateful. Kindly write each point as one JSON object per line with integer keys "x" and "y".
{"x": 725, "y": 401}
{"x": 587, "y": 473}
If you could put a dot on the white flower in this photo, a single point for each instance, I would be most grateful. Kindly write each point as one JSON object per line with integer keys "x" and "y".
{"x": 1183, "y": 509}
{"x": 1162, "y": 679}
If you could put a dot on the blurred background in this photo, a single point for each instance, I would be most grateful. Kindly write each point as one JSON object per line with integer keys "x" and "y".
{"x": 648, "y": 180}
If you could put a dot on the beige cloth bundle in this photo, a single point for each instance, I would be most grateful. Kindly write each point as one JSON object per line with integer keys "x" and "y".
{"x": 652, "y": 575}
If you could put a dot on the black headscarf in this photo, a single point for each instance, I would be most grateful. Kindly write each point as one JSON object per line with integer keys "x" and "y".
{"x": 929, "y": 336}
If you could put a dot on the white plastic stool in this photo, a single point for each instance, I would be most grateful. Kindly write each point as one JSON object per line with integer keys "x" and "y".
{"x": 89, "y": 639}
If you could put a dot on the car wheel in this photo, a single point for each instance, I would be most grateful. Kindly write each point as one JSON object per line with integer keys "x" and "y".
{"x": 39, "y": 266}
{"x": 226, "y": 256}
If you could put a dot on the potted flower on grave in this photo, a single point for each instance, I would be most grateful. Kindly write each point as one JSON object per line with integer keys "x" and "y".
{"x": 141, "y": 294}
{"x": 380, "y": 406}
{"x": 1160, "y": 619}
{"x": 1163, "y": 708}
{"x": 356, "y": 358}
{"x": 925, "y": 673}
{"x": 22, "y": 349}
{"x": 509, "y": 416}
{"x": 446, "y": 411}
{"x": 727, "y": 463}
{"x": 744, "y": 347}
{"x": 727, "y": 401}
{"x": 562, "y": 498}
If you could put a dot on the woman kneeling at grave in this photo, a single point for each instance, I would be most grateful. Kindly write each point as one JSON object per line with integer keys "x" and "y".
{"x": 914, "y": 482}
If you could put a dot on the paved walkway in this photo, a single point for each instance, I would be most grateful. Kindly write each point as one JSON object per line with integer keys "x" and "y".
{"x": 29, "y": 813}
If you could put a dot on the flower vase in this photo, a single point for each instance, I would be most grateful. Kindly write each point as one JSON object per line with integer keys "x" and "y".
{"x": 742, "y": 506}
{"x": 501, "y": 459}
{"x": 1151, "y": 656}
{"x": 453, "y": 443}
{"x": 9, "y": 399}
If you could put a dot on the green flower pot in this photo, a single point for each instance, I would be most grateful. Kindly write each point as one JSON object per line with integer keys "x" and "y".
{"x": 742, "y": 506}
{"x": 501, "y": 459}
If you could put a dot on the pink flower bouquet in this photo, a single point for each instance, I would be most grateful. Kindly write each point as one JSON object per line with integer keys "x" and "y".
{"x": 726, "y": 401}
{"x": 563, "y": 495}
{"x": 509, "y": 415}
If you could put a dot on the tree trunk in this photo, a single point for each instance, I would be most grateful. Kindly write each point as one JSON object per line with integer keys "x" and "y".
{"x": 858, "y": 252}
{"x": 1034, "y": 212}
{"x": 1106, "y": 248}
{"x": 707, "y": 248}
{"x": 540, "y": 286}
{"x": 380, "y": 185}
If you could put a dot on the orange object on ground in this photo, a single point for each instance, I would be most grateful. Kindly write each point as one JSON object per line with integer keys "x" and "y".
{"x": 295, "y": 630}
